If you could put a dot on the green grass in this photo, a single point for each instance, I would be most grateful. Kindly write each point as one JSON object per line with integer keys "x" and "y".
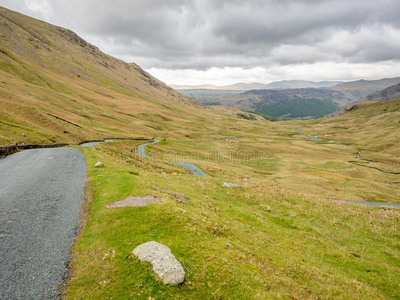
{"x": 286, "y": 245}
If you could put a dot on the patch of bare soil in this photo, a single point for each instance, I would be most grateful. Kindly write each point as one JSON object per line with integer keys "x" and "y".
{"x": 135, "y": 201}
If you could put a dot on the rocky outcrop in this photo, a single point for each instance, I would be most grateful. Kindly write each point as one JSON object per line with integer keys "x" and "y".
{"x": 165, "y": 265}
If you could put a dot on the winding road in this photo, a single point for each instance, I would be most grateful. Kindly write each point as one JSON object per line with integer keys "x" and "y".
{"x": 195, "y": 170}
{"x": 40, "y": 202}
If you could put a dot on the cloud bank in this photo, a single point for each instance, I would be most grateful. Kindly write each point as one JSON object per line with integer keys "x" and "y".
{"x": 221, "y": 42}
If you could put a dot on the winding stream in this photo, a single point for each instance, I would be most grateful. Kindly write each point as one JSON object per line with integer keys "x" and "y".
{"x": 312, "y": 137}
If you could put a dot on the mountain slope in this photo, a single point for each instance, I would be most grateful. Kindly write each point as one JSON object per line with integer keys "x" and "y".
{"x": 300, "y": 84}
{"x": 56, "y": 87}
{"x": 390, "y": 93}
{"x": 290, "y": 103}
{"x": 356, "y": 90}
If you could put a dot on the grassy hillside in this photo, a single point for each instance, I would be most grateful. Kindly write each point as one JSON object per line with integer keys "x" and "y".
{"x": 55, "y": 87}
{"x": 259, "y": 242}
{"x": 374, "y": 126}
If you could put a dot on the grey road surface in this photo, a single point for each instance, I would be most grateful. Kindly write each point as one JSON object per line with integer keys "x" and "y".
{"x": 192, "y": 168}
{"x": 142, "y": 148}
{"x": 40, "y": 202}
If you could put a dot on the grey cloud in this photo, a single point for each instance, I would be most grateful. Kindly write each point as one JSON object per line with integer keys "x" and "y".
{"x": 200, "y": 34}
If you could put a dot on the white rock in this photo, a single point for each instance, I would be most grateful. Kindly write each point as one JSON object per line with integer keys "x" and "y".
{"x": 231, "y": 185}
{"x": 99, "y": 165}
{"x": 165, "y": 265}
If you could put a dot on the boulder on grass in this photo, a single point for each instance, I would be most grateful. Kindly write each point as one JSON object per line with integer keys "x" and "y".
{"x": 165, "y": 265}
{"x": 99, "y": 165}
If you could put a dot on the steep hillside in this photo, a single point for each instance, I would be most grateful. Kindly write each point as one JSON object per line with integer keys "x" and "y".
{"x": 56, "y": 87}
{"x": 390, "y": 93}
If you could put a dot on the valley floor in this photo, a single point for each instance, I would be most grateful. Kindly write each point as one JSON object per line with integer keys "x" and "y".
{"x": 280, "y": 236}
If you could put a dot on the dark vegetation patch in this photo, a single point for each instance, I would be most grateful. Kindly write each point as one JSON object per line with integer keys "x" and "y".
{"x": 298, "y": 108}
{"x": 246, "y": 116}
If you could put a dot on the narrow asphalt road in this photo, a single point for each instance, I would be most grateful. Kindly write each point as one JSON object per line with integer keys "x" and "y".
{"x": 142, "y": 148}
{"x": 40, "y": 202}
{"x": 188, "y": 166}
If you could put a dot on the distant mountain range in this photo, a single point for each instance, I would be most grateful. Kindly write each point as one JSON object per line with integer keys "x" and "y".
{"x": 304, "y": 102}
{"x": 284, "y": 84}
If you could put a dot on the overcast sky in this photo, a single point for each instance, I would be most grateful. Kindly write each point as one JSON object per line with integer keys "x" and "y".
{"x": 228, "y": 41}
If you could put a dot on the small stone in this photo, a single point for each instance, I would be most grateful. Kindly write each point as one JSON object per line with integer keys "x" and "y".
{"x": 99, "y": 165}
{"x": 165, "y": 265}
{"x": 231, "y": 185}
